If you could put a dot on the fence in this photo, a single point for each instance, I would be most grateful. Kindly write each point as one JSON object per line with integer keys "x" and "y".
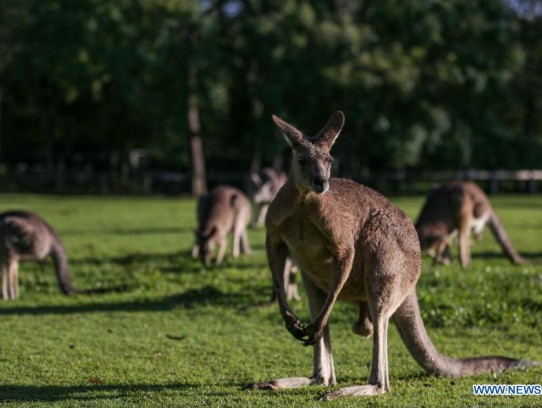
{"x": 177, "y": 183}
{"x": 523, "y": 181}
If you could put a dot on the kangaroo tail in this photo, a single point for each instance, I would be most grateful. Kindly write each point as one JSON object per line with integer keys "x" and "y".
{"x": 412, "y": 330}
{"x": 60, "y": 260}
{"x": 502, "y": 238}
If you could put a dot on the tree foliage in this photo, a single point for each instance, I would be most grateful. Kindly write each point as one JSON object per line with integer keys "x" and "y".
{"x": 439, "y": 84}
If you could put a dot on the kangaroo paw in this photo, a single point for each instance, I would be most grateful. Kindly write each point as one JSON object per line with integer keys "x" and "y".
{"x": 311, "y": 334}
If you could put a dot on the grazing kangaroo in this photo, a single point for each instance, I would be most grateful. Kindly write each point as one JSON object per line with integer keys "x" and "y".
{"x": 352, "y": 245}
{"x": 457, "y": 208}
{"x": 290, "y": 284}
{"x": 266, "y": 184}
{"x": 25, "y": 236}
{"x": 225, "y": 209}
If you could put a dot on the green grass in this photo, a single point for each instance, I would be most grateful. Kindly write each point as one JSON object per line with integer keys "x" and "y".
{"x": 160, "y": 330}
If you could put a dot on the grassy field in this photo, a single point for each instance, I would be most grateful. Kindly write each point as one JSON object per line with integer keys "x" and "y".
{"x": 157, "y": 329}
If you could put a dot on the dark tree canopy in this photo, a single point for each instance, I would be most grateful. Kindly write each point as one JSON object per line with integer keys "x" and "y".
{"x": 439, "y": 84}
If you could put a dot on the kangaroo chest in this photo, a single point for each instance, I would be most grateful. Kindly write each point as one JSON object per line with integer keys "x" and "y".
{"x": 310, "y": 247}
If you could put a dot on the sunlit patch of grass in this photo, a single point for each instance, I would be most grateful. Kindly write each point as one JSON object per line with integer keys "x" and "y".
{"x": 155, "y": 328}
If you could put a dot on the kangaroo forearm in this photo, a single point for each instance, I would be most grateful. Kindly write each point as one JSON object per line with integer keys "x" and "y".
{"x": 280, "y": 291}
{"x": 341, "y": 272}
{"x": 277, "y": 254}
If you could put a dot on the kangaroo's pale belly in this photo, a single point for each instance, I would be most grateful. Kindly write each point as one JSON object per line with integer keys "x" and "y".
{"x": 311, "y": 249}
{"x": 477, "y": 224}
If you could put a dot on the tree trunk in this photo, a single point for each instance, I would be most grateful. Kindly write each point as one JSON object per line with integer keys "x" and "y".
{"x": 199, "y": 182}
{"x": 0, "y": 124}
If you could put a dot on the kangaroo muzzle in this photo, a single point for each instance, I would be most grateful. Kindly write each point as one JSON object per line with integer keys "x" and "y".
{"x": 319, "y": 185}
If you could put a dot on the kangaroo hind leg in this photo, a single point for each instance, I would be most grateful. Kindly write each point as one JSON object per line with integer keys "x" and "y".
{"x": 245, "y": 245}
{"x": 465, "y": 222}
{"x": 383, "y": 300}
{"x": 323, "y": 368}
{"x": 14, "y": 278}
{"x": 378, "y": 379}
{"x": 5, "y": 281}
{"x": 222, "y": 244}
{"x": 10, "y": 279}
{"x": 236, "y": 241}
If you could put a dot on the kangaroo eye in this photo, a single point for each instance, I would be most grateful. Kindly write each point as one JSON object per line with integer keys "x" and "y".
{"x": 302, "y": 162}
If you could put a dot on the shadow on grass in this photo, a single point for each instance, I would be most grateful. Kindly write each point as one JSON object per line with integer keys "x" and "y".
{"x": 133, "y": 258}
{"x": 129, "y": 231}
{"x": 190, "y": 299}
{"x": 177, "y": 262}
{"x": 28, "y": 393}
{"x": 534, "y": 257}
{"x": 150, "y": 231}
{"x": 102, "y": 291}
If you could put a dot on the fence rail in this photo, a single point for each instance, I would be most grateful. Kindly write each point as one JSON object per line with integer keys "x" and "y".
{"x": 527, "y": 181}
{"x": 177, "y": 183}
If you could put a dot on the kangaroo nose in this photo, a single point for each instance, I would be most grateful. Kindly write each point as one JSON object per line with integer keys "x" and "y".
{"x": 319, "y": 184}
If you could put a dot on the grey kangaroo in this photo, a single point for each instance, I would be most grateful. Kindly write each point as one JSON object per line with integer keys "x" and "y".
{"x": 352, "y": 245}
{"x": 25, "y": 236}
{"x": 459, "y": 208}
{"x": 266, "y": 184}
{"x": 223, "y": 210}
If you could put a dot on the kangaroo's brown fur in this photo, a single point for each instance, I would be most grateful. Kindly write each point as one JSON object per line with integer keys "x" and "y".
{"x": 225, "y": 209}
{"x": 457, "y": 208}
{"x": 266, "y": 183}
{"x": 290, "y": 282}
{"x": 353, "y": 245}
{"x": 25, "y": 236}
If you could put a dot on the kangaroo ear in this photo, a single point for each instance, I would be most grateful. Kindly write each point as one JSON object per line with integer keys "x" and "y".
{"x": 293, "y": 136}
{"x": 256, "y": 179}
{"x": 331, "y": 130}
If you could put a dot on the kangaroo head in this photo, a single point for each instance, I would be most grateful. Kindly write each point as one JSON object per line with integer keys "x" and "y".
{"x": 206, "y": 245}
{"x": 264, "y": 193}
{"x": 311, "y": 165}
{"x": 430, "y": 239}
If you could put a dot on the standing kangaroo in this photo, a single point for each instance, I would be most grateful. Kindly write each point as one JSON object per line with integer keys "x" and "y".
{"x": 266, "y": 184}
{"x": 25, "y": 236}
{"x": 352, "y": 245}
{"x": 457, "y": 208}
{"x": 225, "y": 209}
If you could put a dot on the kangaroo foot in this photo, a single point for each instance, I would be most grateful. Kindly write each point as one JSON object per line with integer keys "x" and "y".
{"x": 294, "y": 382}
{"x": 355, "y": 391}
{"x": 519, "y": 260}
{"x": 443, "y": 260}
